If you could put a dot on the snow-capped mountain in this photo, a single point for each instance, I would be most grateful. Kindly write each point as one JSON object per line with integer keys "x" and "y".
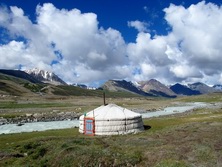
{"x": 45, "y": 76}
{"x": 136, "y": 84}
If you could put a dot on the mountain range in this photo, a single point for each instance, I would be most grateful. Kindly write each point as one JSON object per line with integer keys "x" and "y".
{"x": 36, "y": 80}
{"x": 157, "y": 89}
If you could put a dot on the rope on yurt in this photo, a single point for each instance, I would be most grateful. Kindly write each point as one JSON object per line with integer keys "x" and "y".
{"x": 125, "y": 118}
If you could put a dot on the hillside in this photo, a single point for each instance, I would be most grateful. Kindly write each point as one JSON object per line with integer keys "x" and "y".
{"x": 10, "y": 88}
{"x": 155, "y": 87}
{"x": 19, "y": 86}
{"x": 201, "y": 87}
{"x": 123, "y": 86}
{"x": 10, "y": 85}
{"x": 20, "y": 74}
{"x": 183, "y": 90}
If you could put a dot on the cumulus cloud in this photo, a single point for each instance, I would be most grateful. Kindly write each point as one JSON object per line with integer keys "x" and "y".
{"x": 190, "y": 51}
{"x": 185, "y": 71}
{"x": 86, "y": 52}
{"x": 71, "y": 44}
{"x": 197, "y": 33}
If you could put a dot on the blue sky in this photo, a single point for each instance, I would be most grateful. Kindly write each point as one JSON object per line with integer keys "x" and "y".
{"x": 93, "y": 41}
{"x": 115, "y": 13}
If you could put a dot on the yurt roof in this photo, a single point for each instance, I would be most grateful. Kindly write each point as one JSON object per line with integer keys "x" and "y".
{"x": 111, "y": 112}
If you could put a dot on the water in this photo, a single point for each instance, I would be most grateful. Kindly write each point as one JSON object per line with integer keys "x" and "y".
{"x": 37, "y": 126}
{"x": 42, "y": 126}
{"x": 174, "y": 110}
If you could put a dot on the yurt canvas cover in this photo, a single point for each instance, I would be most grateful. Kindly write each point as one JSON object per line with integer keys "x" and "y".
{"x": 110, "y": 120}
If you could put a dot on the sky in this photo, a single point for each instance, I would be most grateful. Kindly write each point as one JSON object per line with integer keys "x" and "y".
{"x": 90, "y": 42}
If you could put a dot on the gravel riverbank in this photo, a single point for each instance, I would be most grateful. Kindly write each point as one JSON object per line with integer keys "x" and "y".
{"x": 40, "y": 117}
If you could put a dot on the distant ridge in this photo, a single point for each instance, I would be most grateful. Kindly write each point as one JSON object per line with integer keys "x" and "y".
{"x": 201, "y": 87}
{"x": 157, "y": 89}
{"x": 41, "y": 81}
{"x": 20, "y": 74}
{"x": 218, "y": 87}
{"x": 123, "y": 86}
{"x": 183, "y": 90}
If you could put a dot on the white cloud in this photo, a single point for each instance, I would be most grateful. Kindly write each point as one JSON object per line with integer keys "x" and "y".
{"x": 149, "y": 56}
{"x": 185, "y": 71}
{"x": 91, "y": 51}
{"x": 148, "y": 50}
{"x": 88, "y": 52}
{"x": 140, "y": 26}
{"x": 13, "y": 51}
{"x": 191, "y": 51}
{"x": 197, "y": 31}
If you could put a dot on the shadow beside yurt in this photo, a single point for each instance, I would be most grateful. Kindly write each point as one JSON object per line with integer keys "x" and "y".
{"x": 110, "y": 120}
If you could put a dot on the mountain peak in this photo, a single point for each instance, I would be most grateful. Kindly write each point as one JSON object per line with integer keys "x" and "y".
{"x": 183, "y": 90}
{"x": 157, "y": 88}
{"x": 45, "y": 76}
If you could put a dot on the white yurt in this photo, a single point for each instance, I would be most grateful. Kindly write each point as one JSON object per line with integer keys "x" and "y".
{"x": 110, "y": 119}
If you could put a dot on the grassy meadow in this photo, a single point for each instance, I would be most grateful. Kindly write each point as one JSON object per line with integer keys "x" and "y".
{"x": 182, "y": 140}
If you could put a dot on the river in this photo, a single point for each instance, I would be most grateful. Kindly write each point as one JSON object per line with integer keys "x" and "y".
{"x": 42, "y": 126}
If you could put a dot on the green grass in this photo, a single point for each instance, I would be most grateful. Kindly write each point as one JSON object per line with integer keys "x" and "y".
{"x": 12, "y": 139}
{"x": 11, "y": 108}
{"x": 34, "y": 87}
{"x": 76, "y": 91}
{"x": 12, "y": 78}
{"x": 14, "y": 105}
{"x": 15, "y": 86}
{"x": 208, "y": 98}
{"x": 182, "y": 140}
{"x": 9, "y": 89}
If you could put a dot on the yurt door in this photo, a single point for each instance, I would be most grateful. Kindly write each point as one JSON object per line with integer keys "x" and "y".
{"x": 89, "y": 128}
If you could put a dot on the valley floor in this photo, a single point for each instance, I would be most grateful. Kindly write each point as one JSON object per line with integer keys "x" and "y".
{"x": 188, "y": 139}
